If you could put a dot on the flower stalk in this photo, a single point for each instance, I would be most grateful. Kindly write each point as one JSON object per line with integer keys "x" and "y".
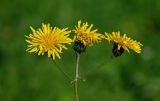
{"x": 62, "y": 71}
{"x": 76, "y": 76}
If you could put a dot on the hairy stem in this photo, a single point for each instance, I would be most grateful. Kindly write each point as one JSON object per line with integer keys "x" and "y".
{"x": 76, "y": 77}
{"x": 62, "y": 71}
{"x": 99, "y": 66}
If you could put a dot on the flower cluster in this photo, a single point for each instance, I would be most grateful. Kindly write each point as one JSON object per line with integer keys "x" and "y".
{"x": 52, "y": 40}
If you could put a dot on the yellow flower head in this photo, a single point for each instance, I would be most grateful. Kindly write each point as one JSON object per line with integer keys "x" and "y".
{"x": 48, "y": 40}
{"x": 85, "y": 36}
{"x": 123, "y": 42}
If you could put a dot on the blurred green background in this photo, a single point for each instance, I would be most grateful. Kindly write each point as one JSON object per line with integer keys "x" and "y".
{"x": 131, "y": 77}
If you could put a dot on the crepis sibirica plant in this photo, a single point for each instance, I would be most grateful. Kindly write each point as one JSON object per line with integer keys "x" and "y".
{"x": 53, "y": 40}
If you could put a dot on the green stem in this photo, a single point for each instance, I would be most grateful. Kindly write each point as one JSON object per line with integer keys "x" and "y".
{"x": 98, "y": 67}
{"x": 62, "y": 71}
{"x": 76, "y": 77}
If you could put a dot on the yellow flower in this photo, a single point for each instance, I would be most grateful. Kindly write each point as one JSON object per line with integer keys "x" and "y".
{"x": 48, "y": 40}
{"x": 123, "y": 42}
{"x": 85, "y": 36}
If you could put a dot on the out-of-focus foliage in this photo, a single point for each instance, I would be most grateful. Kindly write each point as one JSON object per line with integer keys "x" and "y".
{"x": 131, "y": 77}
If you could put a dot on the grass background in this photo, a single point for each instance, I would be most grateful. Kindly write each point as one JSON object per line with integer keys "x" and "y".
{"x": 131, "y": 77}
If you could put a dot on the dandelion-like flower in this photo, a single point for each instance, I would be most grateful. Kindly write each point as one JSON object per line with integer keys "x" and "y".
{"x": 85, "y": 36}
{"x": 122, "y": 43}
{"x": 48, "y": 40}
